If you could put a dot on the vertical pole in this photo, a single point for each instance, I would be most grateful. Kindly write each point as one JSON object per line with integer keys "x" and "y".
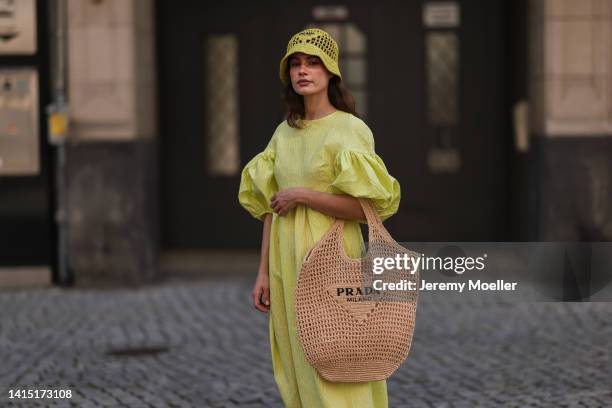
{"x": 58, "y": 38}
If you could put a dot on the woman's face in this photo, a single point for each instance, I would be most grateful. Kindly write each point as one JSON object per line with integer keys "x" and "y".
{"x": 308, "y": 74}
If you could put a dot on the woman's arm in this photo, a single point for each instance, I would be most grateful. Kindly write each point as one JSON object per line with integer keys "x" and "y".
{"x": 261, "y": 290}
{"x": 265, "y": 244}
{"x": 337, "y": 205}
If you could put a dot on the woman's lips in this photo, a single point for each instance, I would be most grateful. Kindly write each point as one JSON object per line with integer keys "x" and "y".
{"x": 303, "y": 83}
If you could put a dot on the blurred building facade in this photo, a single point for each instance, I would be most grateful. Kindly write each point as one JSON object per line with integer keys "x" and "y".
{"x": 495, "y": 116}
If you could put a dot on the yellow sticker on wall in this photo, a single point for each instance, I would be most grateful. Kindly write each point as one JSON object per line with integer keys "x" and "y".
{"x": 58, "y": 125}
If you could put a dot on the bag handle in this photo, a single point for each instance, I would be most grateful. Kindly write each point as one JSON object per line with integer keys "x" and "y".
{"x": 376, "y": 230}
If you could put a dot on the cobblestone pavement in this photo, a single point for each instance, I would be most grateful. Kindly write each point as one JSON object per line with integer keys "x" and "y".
{"x": 202, "y": 344}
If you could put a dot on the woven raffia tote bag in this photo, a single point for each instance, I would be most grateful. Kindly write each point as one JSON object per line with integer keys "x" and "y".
{"x": 349, "y": 331}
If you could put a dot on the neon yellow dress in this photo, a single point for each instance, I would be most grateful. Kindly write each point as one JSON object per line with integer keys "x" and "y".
{"x": 333, "y": 154}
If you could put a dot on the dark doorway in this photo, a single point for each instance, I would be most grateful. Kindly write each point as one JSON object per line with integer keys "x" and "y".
{"x": 198, "y": 41}
{"x": 432, "y": 94}
{"x": 26, "y": 199}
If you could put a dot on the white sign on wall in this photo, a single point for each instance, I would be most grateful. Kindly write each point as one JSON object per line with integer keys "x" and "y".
{"x": 19, "y": 144}
{"x": 438, "y": 14}
{"x": 330, "y": 12}
{"x": 17, "y": 27}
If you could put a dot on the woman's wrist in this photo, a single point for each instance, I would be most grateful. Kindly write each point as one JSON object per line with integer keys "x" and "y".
{"x": 262, "y": 270}
{"x": 305, "y": 197}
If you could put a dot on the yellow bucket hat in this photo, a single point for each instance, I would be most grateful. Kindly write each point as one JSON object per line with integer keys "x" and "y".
{"x": 312, "y": 41}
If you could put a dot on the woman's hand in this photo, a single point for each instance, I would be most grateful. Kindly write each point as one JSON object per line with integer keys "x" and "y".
{"x": 286, "y": 199}
{"x": 336, "y": 205}
{"x": 261, "y": 291}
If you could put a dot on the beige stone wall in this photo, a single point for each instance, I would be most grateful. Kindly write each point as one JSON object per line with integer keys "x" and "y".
{"x": 571, "y": 67}
{"x": 111, "y": 69}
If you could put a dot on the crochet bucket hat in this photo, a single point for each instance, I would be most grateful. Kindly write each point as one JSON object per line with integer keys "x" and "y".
{"x": 312, "y": 41}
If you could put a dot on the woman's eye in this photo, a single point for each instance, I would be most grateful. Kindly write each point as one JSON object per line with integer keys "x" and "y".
{"x": 297, "y": 63}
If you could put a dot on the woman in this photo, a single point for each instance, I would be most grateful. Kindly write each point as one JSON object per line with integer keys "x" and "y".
{"x": 313, "y": 167}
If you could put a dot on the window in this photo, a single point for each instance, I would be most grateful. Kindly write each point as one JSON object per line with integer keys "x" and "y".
{"x": 442, "y": 86}
{"x": 353, "y": 62}
{"x": 221, "y": 104}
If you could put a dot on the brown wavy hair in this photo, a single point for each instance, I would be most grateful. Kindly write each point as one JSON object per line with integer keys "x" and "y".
{"x": 338, "y": 95}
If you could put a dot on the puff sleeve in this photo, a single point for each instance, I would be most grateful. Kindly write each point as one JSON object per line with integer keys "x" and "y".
{"x": 360, "y": 172}
{"x": 258, "y": 184}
